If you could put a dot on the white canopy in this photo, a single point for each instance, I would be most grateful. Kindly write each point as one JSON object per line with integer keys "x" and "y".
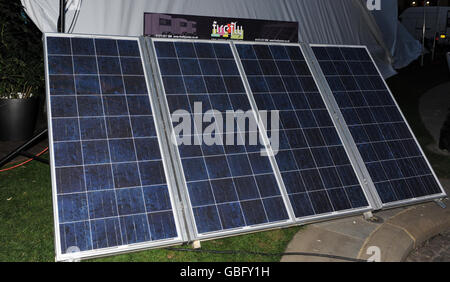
{"x": 320, "y": 21}
{"x": 403, "y": 47}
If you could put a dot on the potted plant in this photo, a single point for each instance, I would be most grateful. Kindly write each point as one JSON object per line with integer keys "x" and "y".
{"x": 21, "y": 72}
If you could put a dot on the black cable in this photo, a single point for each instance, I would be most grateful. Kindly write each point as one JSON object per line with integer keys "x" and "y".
{"x": 266, "y": 254}
{"x": 75, "y": 17}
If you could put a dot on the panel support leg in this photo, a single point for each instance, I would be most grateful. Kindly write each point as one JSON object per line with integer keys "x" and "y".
{"x": 74, "y": 255}
{"x": 440, "y": 203}
{"x": 368, "y": 216}
{"x": 72, "y": 260}
{"x": 196, "y": 245}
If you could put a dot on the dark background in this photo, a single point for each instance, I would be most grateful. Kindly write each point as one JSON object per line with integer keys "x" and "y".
{"x": 404, "y": 4}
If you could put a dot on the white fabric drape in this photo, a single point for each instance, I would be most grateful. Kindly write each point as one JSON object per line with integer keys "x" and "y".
{"x": 403, "y": 47}
{"x": 320, "y": 21}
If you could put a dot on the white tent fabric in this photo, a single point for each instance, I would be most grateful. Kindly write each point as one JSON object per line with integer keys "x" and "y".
{"x": 403, "y": 47}
{"x": 320, "y": 21}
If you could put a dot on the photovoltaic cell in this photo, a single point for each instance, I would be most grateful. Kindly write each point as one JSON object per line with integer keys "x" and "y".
{"x": 230, "y": 186}
{"x": 314, "y": 165}
{"x": 111, "y": 187}
{"x": 392, "y": 156}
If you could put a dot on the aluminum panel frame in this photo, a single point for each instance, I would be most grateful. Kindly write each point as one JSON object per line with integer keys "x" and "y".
{"x": 59, "y": 256}
{"x": 322, "y": 217}
{"x": 179, "y": 170}
{"x": 351, "y": 143}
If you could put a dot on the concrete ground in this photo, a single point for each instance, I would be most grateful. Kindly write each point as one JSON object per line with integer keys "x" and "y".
{"x": 436, "y": 249}
{"x": 399, "y": 234}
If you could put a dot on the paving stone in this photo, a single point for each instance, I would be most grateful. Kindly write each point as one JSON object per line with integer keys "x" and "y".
{"x": 355, "y": 227}
{"x": 436, "y": 249}
{"x": 423, "y": 222}
{"x": 317, "y": 240}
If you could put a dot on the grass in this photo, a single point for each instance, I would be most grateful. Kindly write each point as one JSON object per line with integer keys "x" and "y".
{"x": 26, "y": 217}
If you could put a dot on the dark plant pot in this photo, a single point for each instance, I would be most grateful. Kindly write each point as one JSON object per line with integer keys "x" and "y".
{"x": 17, "y": 118}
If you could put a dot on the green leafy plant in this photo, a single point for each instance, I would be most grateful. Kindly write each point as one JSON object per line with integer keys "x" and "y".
{"x": 21, "y": 59}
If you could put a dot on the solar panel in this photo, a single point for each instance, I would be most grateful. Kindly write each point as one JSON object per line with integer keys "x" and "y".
{"x": 316, "y": 170}
{"x": 393, "y": 158}
{"x": 116, "y": 104}
{"x": 231, "y": 187}
{"x": 109, "y": 179}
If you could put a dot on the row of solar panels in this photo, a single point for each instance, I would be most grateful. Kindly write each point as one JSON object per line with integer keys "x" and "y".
{"x": 120, "y": 183}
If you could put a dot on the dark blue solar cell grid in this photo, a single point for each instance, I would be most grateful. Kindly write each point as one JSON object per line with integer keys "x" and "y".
{"x": 392, "y": 156}
{"x": 230, "y": 186}
{"x": 110, "y": 178}
{"x": 315, "y": 168}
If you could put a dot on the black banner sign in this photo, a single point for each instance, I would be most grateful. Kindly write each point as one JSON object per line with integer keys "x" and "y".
{"x": 201, "y": 27}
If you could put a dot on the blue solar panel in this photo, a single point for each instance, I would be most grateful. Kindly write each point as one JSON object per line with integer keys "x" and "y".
{"x": 111, "y": 188}
{"x": 314, "y": 165}
{"x": 110, "y": 185}
{"x": 229, "y": 186}
{"x": 392, "y": 156}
